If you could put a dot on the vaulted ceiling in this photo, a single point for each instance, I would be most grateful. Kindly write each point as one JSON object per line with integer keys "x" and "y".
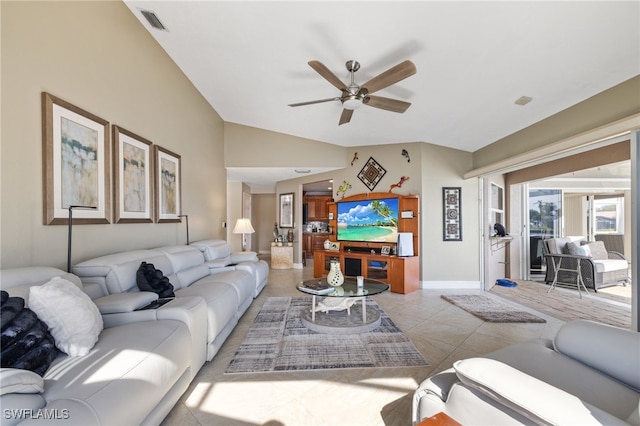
{"x": 474, "y": 60}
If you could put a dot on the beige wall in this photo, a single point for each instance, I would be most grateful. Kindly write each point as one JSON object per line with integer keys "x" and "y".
{"x": 250, "y": 147}
{"x": 97, "y": 56}
{"x": 431, "y": 167}
{"x": 264, "y": 216}
{"x": 574, "y": 215}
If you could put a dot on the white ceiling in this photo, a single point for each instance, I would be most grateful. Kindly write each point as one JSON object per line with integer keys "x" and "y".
{"x": 473, "y": 59}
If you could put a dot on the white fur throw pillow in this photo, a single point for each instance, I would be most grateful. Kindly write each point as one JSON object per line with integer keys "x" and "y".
{"x": 73, "y": 319}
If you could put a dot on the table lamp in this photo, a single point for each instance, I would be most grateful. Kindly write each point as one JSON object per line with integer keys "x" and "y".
{"x": 243, "y": 226}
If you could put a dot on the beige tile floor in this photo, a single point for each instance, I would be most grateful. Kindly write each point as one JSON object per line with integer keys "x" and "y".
{"x": 441, "y": 331}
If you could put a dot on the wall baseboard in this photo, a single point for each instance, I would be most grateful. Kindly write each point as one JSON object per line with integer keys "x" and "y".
{"x": 450, "y": 285}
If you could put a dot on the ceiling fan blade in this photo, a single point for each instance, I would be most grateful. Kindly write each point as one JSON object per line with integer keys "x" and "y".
{"x": 321, "y": 69}
{"x": 314, "y": 102}
{"x": 387, "y": 104}
{"x": 392, "y": 75}
{"x": 345, "y": 117}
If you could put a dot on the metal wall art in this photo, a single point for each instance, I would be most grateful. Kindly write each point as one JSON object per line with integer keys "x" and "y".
{"x": 371, "y": 173}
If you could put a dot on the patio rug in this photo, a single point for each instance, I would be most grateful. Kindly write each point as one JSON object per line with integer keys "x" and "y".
{"x": 490, "y": 309}
{"x": 278, "y": 341}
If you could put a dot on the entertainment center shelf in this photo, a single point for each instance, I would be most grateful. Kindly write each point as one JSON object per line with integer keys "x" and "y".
{"x": 365, "y": 258}
{"x": 401, "y": 273}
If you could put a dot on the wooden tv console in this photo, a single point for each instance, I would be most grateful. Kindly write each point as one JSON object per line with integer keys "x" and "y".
{"x": 361, "y": 258}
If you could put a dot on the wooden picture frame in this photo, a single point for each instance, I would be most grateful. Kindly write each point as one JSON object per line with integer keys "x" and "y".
{"x": 133, "y": 177}
{"x": 385, "y": 250}
{"x": 452, "y": 213}
{"x": 167, "y": 185}
{"x": 286, "y": 210}
{"x": 76, "y": 164}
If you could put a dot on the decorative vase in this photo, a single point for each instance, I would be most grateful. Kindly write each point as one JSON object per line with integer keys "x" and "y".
{"x": 290, "y": 235}
{"x": 335, "y": 277}
{"x": 327, "y": 244}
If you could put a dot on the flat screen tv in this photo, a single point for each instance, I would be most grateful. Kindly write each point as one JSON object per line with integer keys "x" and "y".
{"x": 374, "y": 220}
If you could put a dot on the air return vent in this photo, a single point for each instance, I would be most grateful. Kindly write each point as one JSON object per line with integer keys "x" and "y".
{"x": 153, "y": 20}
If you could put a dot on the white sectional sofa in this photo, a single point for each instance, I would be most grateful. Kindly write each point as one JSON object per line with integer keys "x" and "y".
{"x": 134, "y": 374}
{"x": 227, "y": 290}
{"x": 149, "y": 350}
{"x": 217, "y": 254}
{"x": 588, "y": 375}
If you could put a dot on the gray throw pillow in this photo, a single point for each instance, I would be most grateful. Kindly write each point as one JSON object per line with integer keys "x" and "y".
{"x": 571, "y": 248}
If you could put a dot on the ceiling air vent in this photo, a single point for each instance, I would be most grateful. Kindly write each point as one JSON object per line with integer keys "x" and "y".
{"x": 153, "y": 20}
{"x": 523, "y": 100}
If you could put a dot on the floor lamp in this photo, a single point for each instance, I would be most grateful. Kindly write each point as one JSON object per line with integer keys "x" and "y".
{"x": 243, "y": 226}
{"x": 186, "y": 218}
{"x": 70, "y": 227}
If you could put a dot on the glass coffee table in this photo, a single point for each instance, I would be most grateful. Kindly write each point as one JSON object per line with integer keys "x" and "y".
{"x": 341, "y": 301}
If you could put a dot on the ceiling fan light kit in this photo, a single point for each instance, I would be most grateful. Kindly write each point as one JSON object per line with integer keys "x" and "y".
{"x": 354, "y": 96}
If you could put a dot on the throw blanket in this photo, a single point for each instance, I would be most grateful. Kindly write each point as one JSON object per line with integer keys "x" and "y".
{"x": 149, "y": 278}
{"x": 26, "y": 342}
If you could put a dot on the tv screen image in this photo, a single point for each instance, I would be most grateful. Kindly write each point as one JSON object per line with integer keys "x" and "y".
{"x": 368, "y": 220}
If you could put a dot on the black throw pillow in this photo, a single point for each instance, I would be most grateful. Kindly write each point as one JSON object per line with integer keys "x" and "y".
{"x": 25, "y": 340}
{"x": 149, "y": 278}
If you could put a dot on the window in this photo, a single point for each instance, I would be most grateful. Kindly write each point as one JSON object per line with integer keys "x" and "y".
{"x": 609, "y": 215}
{"x": 497, "y": 204}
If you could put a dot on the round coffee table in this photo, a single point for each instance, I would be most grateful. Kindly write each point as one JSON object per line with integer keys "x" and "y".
{"x": 338, "y": 304}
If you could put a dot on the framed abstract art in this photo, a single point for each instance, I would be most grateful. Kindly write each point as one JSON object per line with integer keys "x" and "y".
{"x": 76, "y": 163}
{"x": 168, "y": 185}
{"x": 133, "y": 177}
{"x": 286, "y": 210}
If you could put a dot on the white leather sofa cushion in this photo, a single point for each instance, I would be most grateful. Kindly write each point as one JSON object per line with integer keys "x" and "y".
{"x": 22, "y": 279}
{"x": 222, "y": 304}
{"x": 188, "y": 262}
{"x": 116, "y": 273}
{"x": 613, "y": 351}
{"x": 214, "y": 250}
{"x": 124, "y": 377}
{"x": 537, "y": 358}
{"x": 16, "y": 380}
{"x": 244, "y": 256}
{"x": 536, "y": 400}
{"x": 124, "y": 302}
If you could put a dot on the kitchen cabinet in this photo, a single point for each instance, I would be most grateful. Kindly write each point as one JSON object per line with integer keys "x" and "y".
{"x": 313, "y": 241}
{"x": 317, "y": 209}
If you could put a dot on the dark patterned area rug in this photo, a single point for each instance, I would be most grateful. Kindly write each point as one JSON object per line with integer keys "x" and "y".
{"x": 490, "y": 309}
{"x": 278, "y": 341}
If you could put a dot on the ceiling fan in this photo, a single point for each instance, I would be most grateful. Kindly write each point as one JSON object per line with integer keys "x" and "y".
{"x": 354, "y": 96}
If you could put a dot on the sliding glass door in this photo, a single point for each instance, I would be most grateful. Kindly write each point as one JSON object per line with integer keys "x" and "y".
{"x": 545, "y": 221}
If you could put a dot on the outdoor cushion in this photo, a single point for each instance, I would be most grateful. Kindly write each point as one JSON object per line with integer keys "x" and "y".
{"x": 576, "y": 250}
{"x": 598, "y": 250}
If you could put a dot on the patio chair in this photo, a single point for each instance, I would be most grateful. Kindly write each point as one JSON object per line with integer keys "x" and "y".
{"x": 602, "y": 269}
